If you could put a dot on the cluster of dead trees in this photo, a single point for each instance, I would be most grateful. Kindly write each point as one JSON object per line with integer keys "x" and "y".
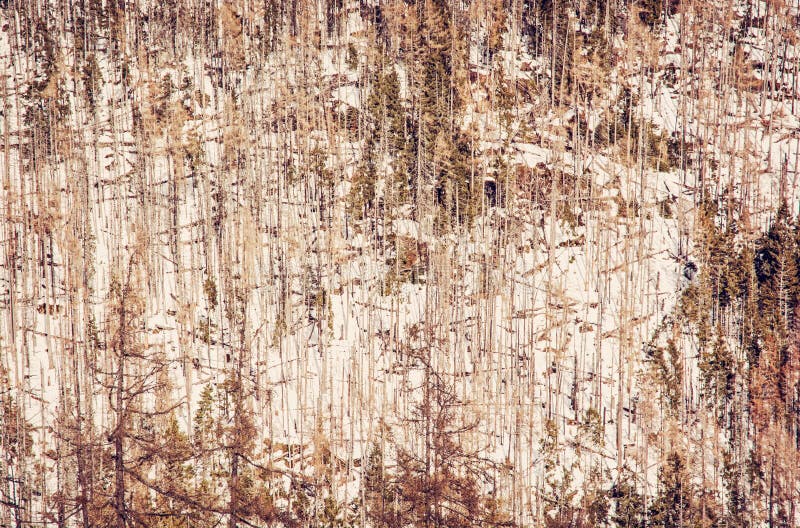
{"x": 115, "y": 112}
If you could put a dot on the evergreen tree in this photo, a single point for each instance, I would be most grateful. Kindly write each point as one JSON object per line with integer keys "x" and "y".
{"x": 776, "y": 272}
{"x": 674, "y": 504}
{"x": 16, "y": 446}
{"x": 630, "y": 507}
{"x": 380, "y": 492}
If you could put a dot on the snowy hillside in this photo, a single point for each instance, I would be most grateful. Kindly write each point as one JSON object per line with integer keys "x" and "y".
{"x": 399, "y": 263}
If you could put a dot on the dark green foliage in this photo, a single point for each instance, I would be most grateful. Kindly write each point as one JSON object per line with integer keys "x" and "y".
{"x": 45, "y": 105}
{"x": 718, "y": 371}
{"x": 38, "y": 37}
{"x": 592, "y": 429}
{"x": 325, "y": 181}
{"x": 386, "y": 110}
{"x": 92, "y": 79}
{"x": 388, "y": 125}
{"x": 665, "y": 207}
{"x": 15, "y": 431}
{"x": 564, "y": 507}
{"x": 728, "y": 268}
{"x": 333, "y": 11}
{"x": 776, "y": 271}
{"x": 386, "y": 135}
{"x": 676, "y": 153}
{"x": 549, "y": 446}
{"x": 16, "y": 444}
{"x": 706, "y": 304}
{"x": 268, "y": 32}
{"x": 352, "y": 57}
{"x": 733, "y": 474}
{"x": 420, "y": 138}
{"x": 439, "y": 97}
{"x": 595, "y": 504}
{"x": 442, "y": 151}
{"x": 41, "y": 117}
{"x": 674, "y": 505}
{"x": 560, "y": 510}
{"x": 650, "y": 12}
{"x": 727, "y": 265}
{"x": 622, "y": 126}
{"x": 210, "y": 289}
{"x": 380, "y": 493}
{"x": 677, "y": 502}
{"x": 457, "y": 193}
{"x": 553, "y": 37}
{"x": 668, "y": 363}
{"x": 362, "y": 191}
{"x": 630, "y": 507}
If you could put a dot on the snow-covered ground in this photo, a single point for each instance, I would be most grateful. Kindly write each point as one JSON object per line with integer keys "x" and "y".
{"x": 532, "y": 317}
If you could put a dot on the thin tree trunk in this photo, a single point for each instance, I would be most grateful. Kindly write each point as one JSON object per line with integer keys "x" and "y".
{"x": 119, "y": 432}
